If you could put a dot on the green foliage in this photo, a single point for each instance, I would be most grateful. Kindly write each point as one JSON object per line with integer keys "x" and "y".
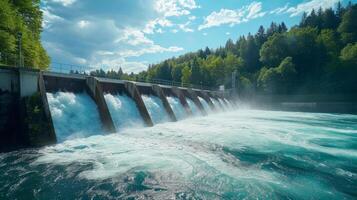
{"x": 22, "y": 16}
{"x": 278, "y": 79}
{"x": 348, "y": 26}
{"x": 349, "y": 54}
{"x": 186, "y": 75}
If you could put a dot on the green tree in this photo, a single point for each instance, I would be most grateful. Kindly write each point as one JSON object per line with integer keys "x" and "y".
{"x": 186, "y": 75}
{"x": 348, "y": 26}
{"x": 274, "y": 50}
{"x": 349, "y": 53}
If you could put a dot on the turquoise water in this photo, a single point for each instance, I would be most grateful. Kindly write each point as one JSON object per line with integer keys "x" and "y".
{"x": 244, "y": 154}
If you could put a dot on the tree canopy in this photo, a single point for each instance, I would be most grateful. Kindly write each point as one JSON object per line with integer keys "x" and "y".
{"x": 25, "y": 17}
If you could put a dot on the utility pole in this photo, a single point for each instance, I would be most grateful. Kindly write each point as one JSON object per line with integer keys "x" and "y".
{"x": 19, "y": 40}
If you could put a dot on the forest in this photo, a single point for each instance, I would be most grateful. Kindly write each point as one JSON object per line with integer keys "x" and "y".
{"x": 317, "y": 56}
{"x": 22, "y": 17}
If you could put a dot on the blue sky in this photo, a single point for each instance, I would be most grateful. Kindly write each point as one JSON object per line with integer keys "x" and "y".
{"x": 134, "y": 33}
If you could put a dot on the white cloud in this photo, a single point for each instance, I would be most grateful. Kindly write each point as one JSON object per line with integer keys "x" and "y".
{"x": 149, "y": 50}
{"x": 49, "y": 18}
{"x": 228, "y": 33}
{"x": 151, "y": 25}
{"x": 280, "y": 9}
{"x": 184, "y": 27}
{"x": 83, "y": 34}
{"x": 309, "y": 6}
{"x": 175, "y": 7}
{"x": 134, "y": 37}
{"x": 192, "y": 18}
{"x": 64, "y": 2}
{"x": 233, "y": 17}
{"x": 254, "y": 10}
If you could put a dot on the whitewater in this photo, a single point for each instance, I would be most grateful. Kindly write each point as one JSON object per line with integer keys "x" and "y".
{"x": 242, "y": 154}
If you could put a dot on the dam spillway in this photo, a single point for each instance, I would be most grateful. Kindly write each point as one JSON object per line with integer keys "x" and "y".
{"x": 76, "y": 106}
{"x": 69, "y": 124}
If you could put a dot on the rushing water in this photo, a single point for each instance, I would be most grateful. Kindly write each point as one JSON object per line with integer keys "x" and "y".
{"x": 244, "y": 154}
{"x": 73, "y": 115}
{"x": 177, "y": 107}
{"x": 216, "y": 103}
{"x": 195, "y": 110}
{"x": 204, "y": 104}
{"x": 124, "y": 111}
{"x": 156, "y": 109}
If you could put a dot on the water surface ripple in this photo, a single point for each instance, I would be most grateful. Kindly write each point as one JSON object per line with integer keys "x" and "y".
{"x": 243, "y": 154}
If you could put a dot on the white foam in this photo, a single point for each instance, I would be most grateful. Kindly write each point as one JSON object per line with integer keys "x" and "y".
{"x": 123, "y": 111}
{"x": 195, "y": 110}
{"x": 155, "y": 108}
{"x": 204, "y": 104}
{"x": 73, "y": 115}
{"x": 177, "y": 107}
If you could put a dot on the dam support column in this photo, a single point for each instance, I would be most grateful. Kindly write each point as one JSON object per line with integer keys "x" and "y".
{"x": 195, "y": 99}
{"x": 135, "y": 95}
{"x": 96, "y": 92}
{"x": 46, "y": 109}
{"x": 157, "y": 89}
{"x": 182, "y": 99}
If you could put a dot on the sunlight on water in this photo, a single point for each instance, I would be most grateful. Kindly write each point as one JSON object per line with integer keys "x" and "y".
{"x": 244, "y": 154}
{"x": 177, "y": 107}
{"x": 123, "y": 111}
{"x": 74, "y": 115}
{"x": 155, "y": 108}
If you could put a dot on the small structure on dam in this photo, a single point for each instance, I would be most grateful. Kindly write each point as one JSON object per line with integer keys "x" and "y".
{"x": 41, "y": 108}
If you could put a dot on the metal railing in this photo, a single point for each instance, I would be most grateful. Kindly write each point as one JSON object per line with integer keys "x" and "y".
{"x": 86, "y": 70}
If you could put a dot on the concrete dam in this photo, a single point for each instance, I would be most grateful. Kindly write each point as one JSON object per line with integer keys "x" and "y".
{"x": 42, "y": 108}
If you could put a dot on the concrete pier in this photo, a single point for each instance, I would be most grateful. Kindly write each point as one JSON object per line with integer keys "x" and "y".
{"x": 192, "y": 95}
{"x": 157, "y": 89}
{"x": 96, "y": 92}
{"x": 178, "y": 93}
{"x": 135, "y": 94}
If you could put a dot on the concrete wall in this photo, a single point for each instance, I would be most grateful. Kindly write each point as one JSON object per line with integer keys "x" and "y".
{"x": 9, "y": 80}
{"x": 28, "y": 82}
